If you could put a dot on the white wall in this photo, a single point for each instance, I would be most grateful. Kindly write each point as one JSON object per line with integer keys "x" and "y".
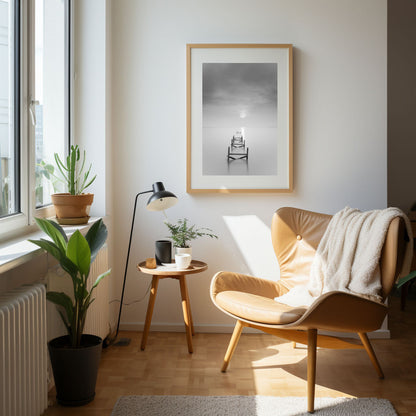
{"x": 339, "y": 130}
{"x": 92, "y": 103}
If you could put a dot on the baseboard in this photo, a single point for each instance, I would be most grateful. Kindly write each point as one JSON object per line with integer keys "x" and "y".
{"x": 167, "y": 327}
{"x": 379, "y": 334}
{"x": 228, "y": 329}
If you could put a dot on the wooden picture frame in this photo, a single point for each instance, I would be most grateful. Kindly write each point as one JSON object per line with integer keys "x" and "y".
{"x": 239, "y": 118}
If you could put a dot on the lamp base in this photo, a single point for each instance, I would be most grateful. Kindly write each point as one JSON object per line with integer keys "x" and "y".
{"x": 122, "y": 342}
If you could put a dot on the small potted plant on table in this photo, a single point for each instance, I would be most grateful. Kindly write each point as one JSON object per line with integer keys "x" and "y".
{"x": 73, "y": 207}
{"x": 75, "y": 356}
{"x": 182, "y": 234}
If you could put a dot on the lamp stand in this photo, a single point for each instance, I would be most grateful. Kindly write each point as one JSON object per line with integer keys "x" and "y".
{"x": 159, "y": 201}
{"x": 123, "y": 342}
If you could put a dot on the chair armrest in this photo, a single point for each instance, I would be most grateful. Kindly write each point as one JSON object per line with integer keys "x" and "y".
{"x": 343, "y": 312}
{"x": 223, "y": 281}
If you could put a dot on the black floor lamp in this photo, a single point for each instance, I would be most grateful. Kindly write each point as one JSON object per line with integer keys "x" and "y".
{"x": 159, "y": 201}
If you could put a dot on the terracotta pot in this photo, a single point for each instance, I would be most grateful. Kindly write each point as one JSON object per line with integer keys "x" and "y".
{"x": 72, "y": 209}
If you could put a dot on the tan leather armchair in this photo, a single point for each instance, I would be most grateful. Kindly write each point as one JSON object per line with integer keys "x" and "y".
{"x": 295, "y": 236}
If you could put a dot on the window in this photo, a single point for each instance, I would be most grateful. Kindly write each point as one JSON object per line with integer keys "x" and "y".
{"x": 51, "y": 92}
{"x": 9, "y": 108}
{"x": 34, "y": 104}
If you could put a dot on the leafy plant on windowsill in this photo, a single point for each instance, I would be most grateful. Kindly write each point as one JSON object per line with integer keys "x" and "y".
{"x": 4, "y": 195}
{"x": 73, "y": 206}
{"x": 75, "y": 256}
{"x": 70, "y": 172}
{"x": 74, "y": 176}
{"x": 46, "y": 170}
{"x": 182, "y": 233}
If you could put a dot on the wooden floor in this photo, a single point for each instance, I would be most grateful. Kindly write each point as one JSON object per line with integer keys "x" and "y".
{"x": 262, "y": 365}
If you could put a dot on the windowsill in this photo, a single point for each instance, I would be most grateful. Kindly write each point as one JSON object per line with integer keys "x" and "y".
{"x": 18, "y": 251}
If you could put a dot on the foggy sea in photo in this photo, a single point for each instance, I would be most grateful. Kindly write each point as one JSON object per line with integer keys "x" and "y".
{"x": 262, "y": 155}
{"x": 239, "y": 97}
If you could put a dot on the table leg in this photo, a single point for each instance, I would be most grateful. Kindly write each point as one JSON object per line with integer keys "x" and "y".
{"x": 189, "y": 309}
{"x": 150, "y": 306}
{"x": 186, "y": 312}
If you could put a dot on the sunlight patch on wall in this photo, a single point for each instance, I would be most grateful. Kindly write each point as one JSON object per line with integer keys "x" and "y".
{"x": 253, "y": 239}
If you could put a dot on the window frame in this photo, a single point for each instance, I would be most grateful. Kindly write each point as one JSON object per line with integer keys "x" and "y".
{"x": 18, "y": 104}
{"x": 16, "y": 221}
{"x": 24, "y": 139}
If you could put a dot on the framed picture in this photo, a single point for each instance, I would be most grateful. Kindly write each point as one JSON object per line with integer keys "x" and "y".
{"x": 239, "y": 118}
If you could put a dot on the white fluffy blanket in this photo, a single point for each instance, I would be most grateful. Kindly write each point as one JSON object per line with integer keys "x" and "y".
{"x": 348, "y": 255}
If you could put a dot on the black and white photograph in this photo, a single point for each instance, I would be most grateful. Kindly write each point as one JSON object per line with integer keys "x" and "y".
{"x": 239, "y": 118}
{"x": 239, "y": 107}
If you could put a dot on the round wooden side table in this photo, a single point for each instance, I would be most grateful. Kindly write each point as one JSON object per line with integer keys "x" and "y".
{"x": 164, "y": 272}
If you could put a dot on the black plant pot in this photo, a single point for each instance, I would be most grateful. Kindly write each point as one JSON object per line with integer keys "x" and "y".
{"x": 75, "y": 369}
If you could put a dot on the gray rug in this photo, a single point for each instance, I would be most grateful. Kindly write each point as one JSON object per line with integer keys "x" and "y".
{"x": 247, "y": 406}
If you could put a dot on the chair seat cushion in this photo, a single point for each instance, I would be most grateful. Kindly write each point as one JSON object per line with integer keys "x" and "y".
{"x": 258, "y": 308}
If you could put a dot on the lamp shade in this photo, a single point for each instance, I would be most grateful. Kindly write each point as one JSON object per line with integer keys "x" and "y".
{"x": 161, "y": 199}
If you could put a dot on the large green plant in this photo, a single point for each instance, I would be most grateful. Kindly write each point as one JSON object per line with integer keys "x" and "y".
{"x": 182, "y": 233}
{"x": 75, "y": 256}
{"x": 72, "y": 171}
{"x": 405, "y": 279}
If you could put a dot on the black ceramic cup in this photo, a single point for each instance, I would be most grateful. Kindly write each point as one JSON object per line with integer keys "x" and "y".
{"x": 163, "y": 252}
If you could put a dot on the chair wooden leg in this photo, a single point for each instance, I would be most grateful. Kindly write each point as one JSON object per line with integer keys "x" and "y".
{"x": 312, "y": 340}
{"x": 369, "y": 348}
{"x": 232, "y": 345}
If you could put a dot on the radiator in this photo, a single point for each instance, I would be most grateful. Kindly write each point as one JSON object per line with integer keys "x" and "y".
{"x": 23, "y": 355}
{"x": 98, "y": 316}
